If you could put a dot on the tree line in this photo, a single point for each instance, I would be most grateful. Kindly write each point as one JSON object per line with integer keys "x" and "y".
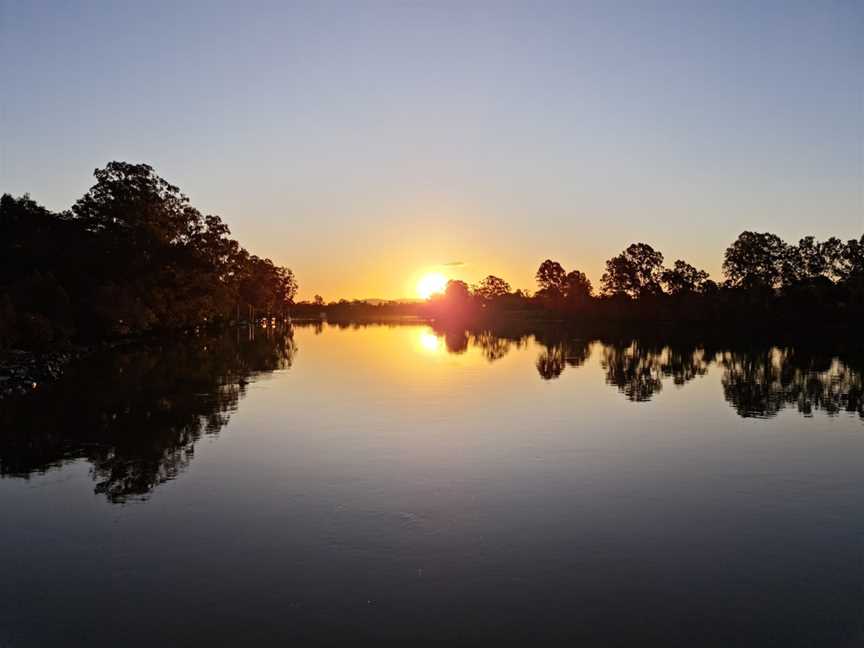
{"x": 763, "y": 277}
{"x": 766, "y": 281}
{"x": 131, "y": 256}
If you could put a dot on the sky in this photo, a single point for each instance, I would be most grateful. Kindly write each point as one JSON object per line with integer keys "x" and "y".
{"x": 363, "y": 144}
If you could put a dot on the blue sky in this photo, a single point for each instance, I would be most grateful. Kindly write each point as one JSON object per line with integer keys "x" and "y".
{"x": 363, "y": 144}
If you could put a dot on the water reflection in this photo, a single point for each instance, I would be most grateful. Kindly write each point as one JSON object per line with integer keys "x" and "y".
{"x": 430, "y": 342}
{"x": 135, "y": 414}
{"x": 556, "y": 355}
{"x": 638, "y": 370}
{"x": 757, "y": 381}
{"x": 760, "y": 383}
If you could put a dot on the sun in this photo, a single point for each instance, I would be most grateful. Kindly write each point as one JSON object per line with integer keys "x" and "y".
{"x": 430, "y": 284}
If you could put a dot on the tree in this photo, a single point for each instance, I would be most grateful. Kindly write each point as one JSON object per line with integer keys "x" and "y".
{"x": 577, "y": 286}
{"x": 636, "y": 272}
{"x": 811, "y": 261}
{"x": 551, "y": 277}
{"x": 852, "y": 260}
{"x": 267, "y": 287}
{"x": 457, "y": 291}
{"x": 318, "y": 300}
{"x": 683, "y": 278}
{"x": 492, "y": 287}
{"x": 833, "y": 250}
{"x": 755, "y": 260}
{"x": 132, "y": 198}
{"x": 132, "y": 255}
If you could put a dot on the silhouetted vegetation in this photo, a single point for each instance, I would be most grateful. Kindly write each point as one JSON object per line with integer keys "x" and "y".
{"x": 768, "y": 284}
{"x": 131, "y": 256}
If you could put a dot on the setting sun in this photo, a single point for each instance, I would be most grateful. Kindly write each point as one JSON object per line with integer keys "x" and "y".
{"x": 430, "y": 284}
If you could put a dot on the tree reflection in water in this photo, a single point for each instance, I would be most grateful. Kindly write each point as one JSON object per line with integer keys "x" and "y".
{"x": 638, "y": 370}
{"x": 142, "y": 410}
{"x": 136, "y": 413}
{"x": 757, "y": 381}
{"x": 761, "y": 383}
{"x": 557, "y": 355}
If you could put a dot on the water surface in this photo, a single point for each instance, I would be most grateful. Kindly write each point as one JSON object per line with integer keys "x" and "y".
{"x": 404, "y": 483}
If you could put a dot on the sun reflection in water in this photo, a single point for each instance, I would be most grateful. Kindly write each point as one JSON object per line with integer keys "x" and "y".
{"x": 430, "y": 342}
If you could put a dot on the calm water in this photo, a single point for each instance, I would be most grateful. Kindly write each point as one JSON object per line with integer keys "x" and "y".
{"x": 403, "y": 484}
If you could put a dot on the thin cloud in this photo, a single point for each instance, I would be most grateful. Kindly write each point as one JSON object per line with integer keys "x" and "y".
{"x": 453, "y": 264}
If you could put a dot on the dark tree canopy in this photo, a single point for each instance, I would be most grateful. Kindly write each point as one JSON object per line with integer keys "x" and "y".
{"x": 131, "y": 256}
{"x": 851, "y": 260}
{"x": 492, "y": 287}
{"x": 556, "y": 284}
{"x": 683, "y": 278}
{"x": 577, "y": 286}
{"x": 551, "y": 276}
{"x": 636, "y": 272}
{"x": 457, "y": 291}
{"x": 755, "y": 260}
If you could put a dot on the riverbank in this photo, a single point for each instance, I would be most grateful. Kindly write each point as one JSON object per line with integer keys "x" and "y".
{"x": 22, "y": 372}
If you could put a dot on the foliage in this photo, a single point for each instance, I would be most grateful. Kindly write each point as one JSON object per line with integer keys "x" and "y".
{"x": 131, "y": 256}
{"x": 636, "y": 272}
{"x": 492, "y": 287}
{"x": 551, "y": 276}
{"x": 755, "y": 260}
{"x": 577, "y": 286}
{"x": 683, "y": 278}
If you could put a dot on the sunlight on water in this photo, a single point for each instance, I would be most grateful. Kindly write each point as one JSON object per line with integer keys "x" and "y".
{"x": 343, "y": 481}
{"x": 431, "y": 342}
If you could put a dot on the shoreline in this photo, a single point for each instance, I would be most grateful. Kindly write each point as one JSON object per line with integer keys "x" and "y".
{"x": 23, "y": 372}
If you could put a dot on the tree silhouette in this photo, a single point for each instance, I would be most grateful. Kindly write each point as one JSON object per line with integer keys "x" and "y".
{"x": 851, "y": 264}
{"x": 683, "y": 278}
{"x": 491, "y": 288}
{"x": 755, "y": 260}
{"x": 131, "y": 256}
{"x": 457, "y": 291}
{"x": 551, "y": 277}
{"x": 636, "y": 272}
{"x": 134, "y": 256}
{"x": 577, "y": 286}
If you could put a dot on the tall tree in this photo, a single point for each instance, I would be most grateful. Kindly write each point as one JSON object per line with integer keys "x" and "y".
{"x": 131, "y": 256}
{"x": 457, "y": 291}
{"x": 577, "y": 286}
{"x": 551, "y": 276}
{"x": 133, "y": 198}
{"x": 492, "y": 287}
{"x": 683, "y": 278}
{"x": 636, "y": 272}
{"x": 755, "y": 260}
{"x": 852, "y": 260}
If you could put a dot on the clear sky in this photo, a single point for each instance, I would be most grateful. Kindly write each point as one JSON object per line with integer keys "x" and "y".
{"x": 362, "y": 144}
